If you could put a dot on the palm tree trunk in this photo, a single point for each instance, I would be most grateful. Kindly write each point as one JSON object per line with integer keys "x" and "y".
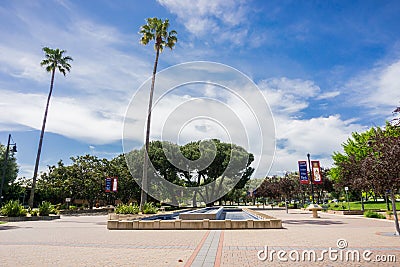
{"x": 32, "y": 195}
{"x": 143, "y": 194}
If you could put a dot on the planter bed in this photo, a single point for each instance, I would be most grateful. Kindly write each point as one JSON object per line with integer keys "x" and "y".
{"x": 30, "y": 218}
{"x": 87, "y": 211}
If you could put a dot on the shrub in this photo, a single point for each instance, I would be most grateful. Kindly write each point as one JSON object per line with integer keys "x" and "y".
{"x": 34, "y": 212}
{"x": 373, "y": 214}
{"x": 281, "y": 204}
{"x": 72, "y": 207}
{"x": 13, "y": 209}
{"x": 149, "y": 208}
{"x": 127, "y": 209}
{"x": 44, "y": 208}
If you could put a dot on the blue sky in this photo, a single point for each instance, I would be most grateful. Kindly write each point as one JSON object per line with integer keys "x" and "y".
{"x": 326, "y": 68}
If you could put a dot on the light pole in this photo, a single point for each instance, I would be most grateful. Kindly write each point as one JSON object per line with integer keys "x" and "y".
{"x": 311, "y": 179}
{"x": 14, "y": 149}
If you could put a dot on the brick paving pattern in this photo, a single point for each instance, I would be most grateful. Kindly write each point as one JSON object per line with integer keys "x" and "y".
{"x": 85, "y": 241}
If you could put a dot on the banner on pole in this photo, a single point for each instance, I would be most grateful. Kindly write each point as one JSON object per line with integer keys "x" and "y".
{"x": 316, "y": 172}
{"x": 303, "y": 172}
{"x": 115, "y": 184}
{"x": 108, "y": 184}
{"x": 111, "y": 184}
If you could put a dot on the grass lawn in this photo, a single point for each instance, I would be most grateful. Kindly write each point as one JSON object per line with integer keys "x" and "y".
{"x": 2, "y": 222}
{"x": 369, "y": 205}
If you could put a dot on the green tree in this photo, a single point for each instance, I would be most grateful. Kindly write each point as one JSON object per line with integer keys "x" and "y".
{"x": 212, "y": 161}
{"x": 54, "y": 60}
{"x": 375, "y": 166}
{"x": 128, "y": 189}
{"x": 157, "y": 30}
{"x": 383, "y": 168}
{"x": 85, "y": 179}
{"x": 229, "y": 167}
{"x": 88, "y": 173}
{"x": 11, "y": 172}
{"x": 56, "y": 184}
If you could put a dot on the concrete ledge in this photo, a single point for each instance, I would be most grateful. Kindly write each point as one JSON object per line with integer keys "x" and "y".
{"x": 191, "y": 224}
{"x": 213, "y": 214}
{"x": 167, "y": 224}
{"x": 132, "y": 222}
{"x": 31, "y": 218}
{"x": 217, "y": 224}
{"x": 258, "y": 214}
{"x": 125, "y": 224}
{"x": 112, "y": 224}
{"x": 275, "y": 224}
{"x": 346, "y": 212}
{"x": 145, "y": 225}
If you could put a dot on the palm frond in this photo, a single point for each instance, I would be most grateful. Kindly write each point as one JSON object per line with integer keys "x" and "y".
{"x": 55, "y": 59}
{"x": 157, "y": 29}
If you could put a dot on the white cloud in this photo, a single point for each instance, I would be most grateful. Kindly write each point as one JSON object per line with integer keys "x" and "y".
{"x": 328, "y": 95}
{"x": 319, "y": 136}
{"x": 90, "y": 102}
{"x": 377, "y": 89}
{"x": 288, "y": 96}
{"x": 74, "y": 118}
{"x": 225, "y": 20}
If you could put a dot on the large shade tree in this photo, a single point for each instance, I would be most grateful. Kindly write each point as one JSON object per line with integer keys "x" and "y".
{"x": 157, "y": 30}
{"x": 374, "y": 165}
{"x": 54, "y": 60}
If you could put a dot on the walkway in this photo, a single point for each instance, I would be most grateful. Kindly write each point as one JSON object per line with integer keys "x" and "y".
{"x": 85, "y": 241}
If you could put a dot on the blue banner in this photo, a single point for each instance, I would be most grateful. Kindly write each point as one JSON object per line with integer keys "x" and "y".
{"x": 303, "y": 172}
{"x": 108, "y": 184}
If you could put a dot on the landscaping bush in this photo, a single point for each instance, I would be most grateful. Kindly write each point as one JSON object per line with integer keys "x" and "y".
{"x": 34, "y": 212}
{"x": 373, "y": 214}
{"x": 149, "y": 208}
{"x": 13, "y": 209}
{"x": 45, "y": 208}
{"x": 127, "y": 209}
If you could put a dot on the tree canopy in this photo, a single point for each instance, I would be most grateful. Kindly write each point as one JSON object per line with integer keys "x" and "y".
{"x": 11, "y": 172}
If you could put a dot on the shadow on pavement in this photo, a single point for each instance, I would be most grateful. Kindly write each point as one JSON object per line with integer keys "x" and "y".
{"x": 318, "y": 222}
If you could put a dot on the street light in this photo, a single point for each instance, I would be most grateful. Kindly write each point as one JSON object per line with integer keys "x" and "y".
{"x": 14, "y": 149}
{"x": 311, "y": 179}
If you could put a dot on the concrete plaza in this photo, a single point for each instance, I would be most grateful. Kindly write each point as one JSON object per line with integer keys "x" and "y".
{"x": 85, "y": 241}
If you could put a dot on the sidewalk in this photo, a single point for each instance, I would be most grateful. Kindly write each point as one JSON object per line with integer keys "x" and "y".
{"x": 85, "y": 241}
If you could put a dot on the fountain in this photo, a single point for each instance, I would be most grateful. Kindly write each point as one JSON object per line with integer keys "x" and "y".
{"x": 204, "y": 218}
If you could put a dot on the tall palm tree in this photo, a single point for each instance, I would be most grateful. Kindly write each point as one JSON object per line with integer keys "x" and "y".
{"x": 157, "y": 30}
{"x": 54, "y": 59}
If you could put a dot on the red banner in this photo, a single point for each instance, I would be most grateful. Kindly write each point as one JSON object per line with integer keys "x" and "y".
{"x": 115, "y": 184}
{"x": 316, "y": 172}
{"x": 111, "y": 184}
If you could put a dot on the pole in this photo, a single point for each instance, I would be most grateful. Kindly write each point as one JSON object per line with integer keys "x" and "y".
{"x": 4, "y": 169}
{"x": 396, "y": 219}
{"x": 311, "y": 179}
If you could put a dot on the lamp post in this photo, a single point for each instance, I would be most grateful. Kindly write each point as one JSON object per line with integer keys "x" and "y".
{"x": 311, "y": 179}
{"x": 14, "y": 149}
